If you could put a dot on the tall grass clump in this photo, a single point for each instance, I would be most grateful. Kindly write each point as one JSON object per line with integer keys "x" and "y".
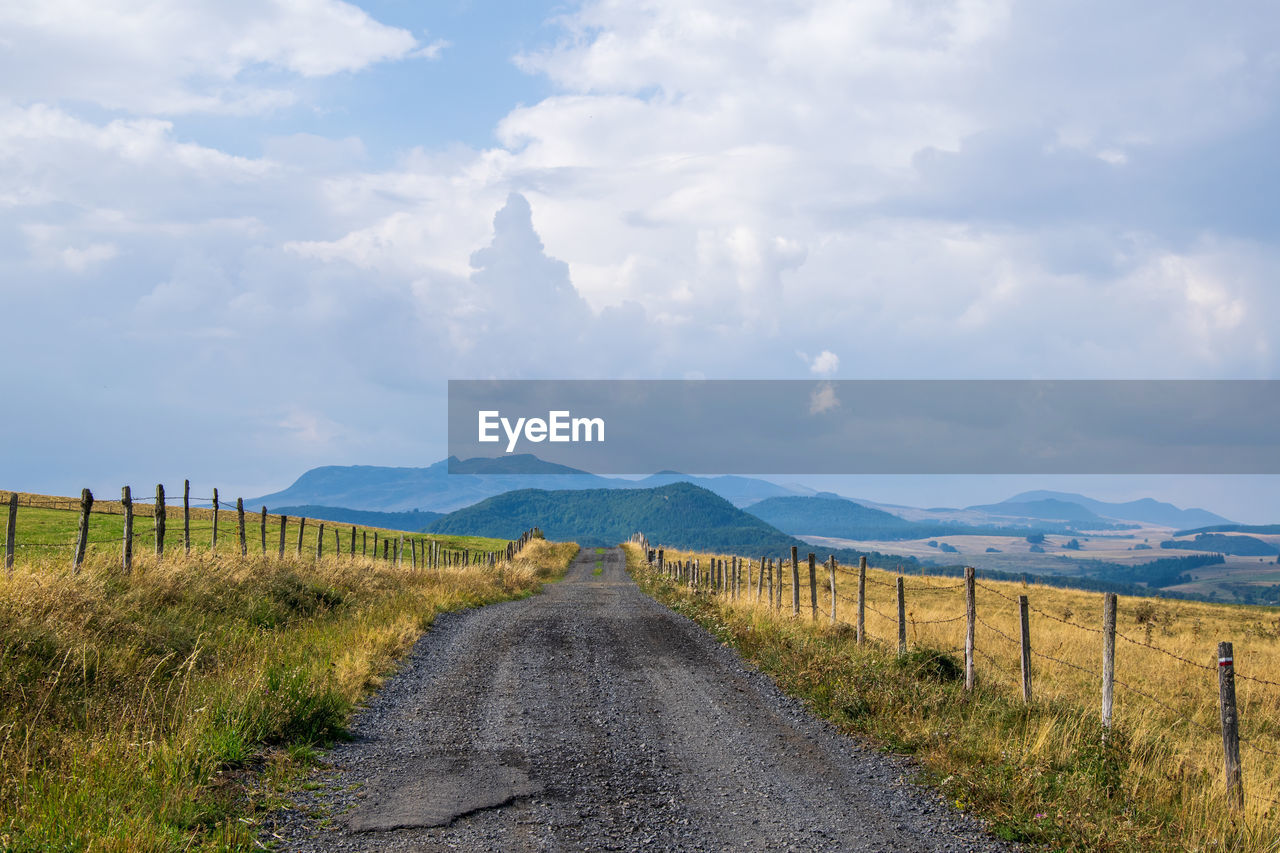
{"x": 1040, "y": 772}
{"x": 133, "y": 709}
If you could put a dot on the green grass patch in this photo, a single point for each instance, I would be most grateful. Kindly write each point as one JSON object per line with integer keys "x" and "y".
{"x": 166, "y": 710}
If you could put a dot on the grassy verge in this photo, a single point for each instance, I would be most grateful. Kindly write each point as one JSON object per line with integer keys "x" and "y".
{"x": 1040, "y": 773}
{"x": 132, "y": 710}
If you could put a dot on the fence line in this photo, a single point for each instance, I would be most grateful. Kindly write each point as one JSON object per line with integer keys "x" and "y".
{"x": 689, "y": 572}
{"x": 435, "y": 554}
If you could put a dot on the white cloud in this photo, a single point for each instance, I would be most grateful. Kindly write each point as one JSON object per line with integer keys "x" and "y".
{"x": 825, "y": 363}
{"x": 823, "y": 399}
{"x": 973, "y": 188}
{"x": 183, "y": 57}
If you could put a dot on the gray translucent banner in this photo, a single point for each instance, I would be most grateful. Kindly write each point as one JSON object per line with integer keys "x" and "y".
{"x": 868, "y": 426}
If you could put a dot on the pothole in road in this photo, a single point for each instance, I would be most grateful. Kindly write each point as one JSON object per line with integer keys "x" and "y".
{"x": 437, "y": 795}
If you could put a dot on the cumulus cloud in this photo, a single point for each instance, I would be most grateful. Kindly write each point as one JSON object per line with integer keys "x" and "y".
{"x": 823, "y": 399}
{"x": 825, "y": 363}
{"x": 968, "y": 188}
{"x": 187, "y": 57}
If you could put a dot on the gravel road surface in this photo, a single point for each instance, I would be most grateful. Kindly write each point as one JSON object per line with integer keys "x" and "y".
{"x": 590, "y": 717}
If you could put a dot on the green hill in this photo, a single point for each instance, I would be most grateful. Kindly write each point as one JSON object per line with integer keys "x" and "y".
{"x": 679, "y": 515}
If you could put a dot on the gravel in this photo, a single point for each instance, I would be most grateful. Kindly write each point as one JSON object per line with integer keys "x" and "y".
{"x": 590, "y": 717}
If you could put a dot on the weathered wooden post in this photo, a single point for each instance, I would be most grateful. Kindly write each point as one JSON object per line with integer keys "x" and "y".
{"x": 760, "y": 581}
{"x": 82, "y": 540}
{"x": 353, "y": 541}
{"x": 831, "y": 569}
{"x": 413, "y": 548}
{"x": 244, "y": 545}
{"x": 262, "y": 531}
{"x": 970, "y": 620}
{"x": 400, "y": 551}
{"x": 320, "y": 541}
{"x": 126, "y": 503}
{"x": 795, "y": 581}
{"x": 1108, "y": 659}
{"x": 1230, "y": 724}
{"x": 302, "y": 527}
{"x": 813, "y": 587}
{"x": 11, "y": 530}
{"x": 662, "y": 556}
{"x": 160, "y": 511}
{"x": 214, "y": 544}
{"x": 284, "y": 522}
{"x": 862, "y": 600}
{"x": 337, "y": 543}
{"x": 364, "y": 543}
{"x": 186, "y": 517}
{"x": 902, "y": 618}
{"x": 386, "y": 547}
{"x": 772, "y": 598}
{"x": 1025, "y": 621}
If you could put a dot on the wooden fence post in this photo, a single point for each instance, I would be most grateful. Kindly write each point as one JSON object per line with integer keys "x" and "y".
{"x": 1230, "y": 724}
{"x": 160, "y": 517}
{"x": 813, "y": 587}
{"x": 970, "y": 620}
{"x": 400, "y": 551}
{"x": 320, "y": 541}
{"x": 302, "y": 527}
{"x": 831, "y": 569}
{"x": 262, "y": 528}
{"x": 9, "y": 537}
{"x": 1108, "y": 659}
{"x": 413, "y": 552}
{"x": 364, "y": 543}
{"x": 1025, "y": 620}
{"x": 902, "y": 618}
{"x": 82, "y": 541}
{"x": 284, "y": 523}
{"x": 760, "y": 581}
{"x": 337, "y": 542}
{"x": 214, "y": 544}
{"x": 862, "y": 600}
{"x": 244, "y": 546}
{"x": 353, "y": 541}
{"x": 795, "y": 581}
{"x": 186, "y": 517}
{"x": 126, "y": 502}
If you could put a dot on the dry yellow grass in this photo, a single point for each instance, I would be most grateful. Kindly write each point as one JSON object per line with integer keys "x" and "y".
{"x": 129, "y": 705}
{"x": 1166, "y": 701}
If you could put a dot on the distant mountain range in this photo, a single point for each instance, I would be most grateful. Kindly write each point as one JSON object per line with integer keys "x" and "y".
{"x": 830, "y": 515}
{"x": 433, "y": 488}
{"x": 793, "y": 509}
{"x": 679, "y": 515}
{"x": 1146, "y": 510}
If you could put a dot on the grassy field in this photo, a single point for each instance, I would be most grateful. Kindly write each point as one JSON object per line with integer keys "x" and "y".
{"x": 161, "y": 711}
{"x": 1040, "y": 772}
{"x": 1013, "y": 554}
{"x": 50, "y": 534}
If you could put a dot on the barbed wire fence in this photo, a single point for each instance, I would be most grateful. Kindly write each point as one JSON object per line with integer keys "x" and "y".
{"x": 101, "y": 524}
{"x": 731, "y": 577}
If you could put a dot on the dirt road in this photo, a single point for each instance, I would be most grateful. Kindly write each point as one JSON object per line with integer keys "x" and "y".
{"x": 593, "y": 718}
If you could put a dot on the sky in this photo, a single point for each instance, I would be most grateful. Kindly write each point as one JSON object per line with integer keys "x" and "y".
{"x": 242, "y": 239}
